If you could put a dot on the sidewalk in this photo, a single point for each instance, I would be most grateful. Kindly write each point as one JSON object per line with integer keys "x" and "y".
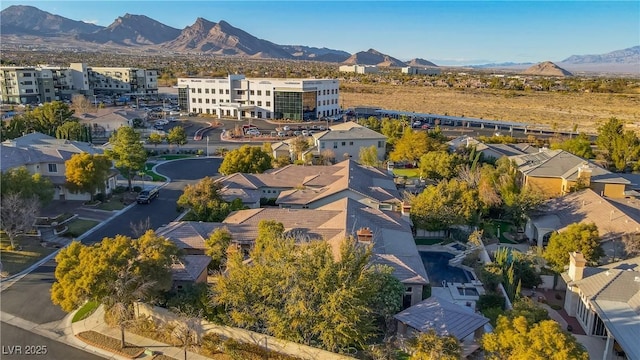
{"x": 96, "y": 323}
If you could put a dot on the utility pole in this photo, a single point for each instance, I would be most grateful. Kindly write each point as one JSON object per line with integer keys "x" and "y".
{"x": 207, "y": 146}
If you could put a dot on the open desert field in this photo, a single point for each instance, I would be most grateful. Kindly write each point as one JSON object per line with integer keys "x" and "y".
{"x": 554, "y": 109}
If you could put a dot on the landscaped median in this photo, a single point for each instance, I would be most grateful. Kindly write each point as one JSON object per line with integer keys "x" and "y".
{"x": 110, "y": 344}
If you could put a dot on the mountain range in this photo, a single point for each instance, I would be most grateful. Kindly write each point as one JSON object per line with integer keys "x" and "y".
{"x": 221, "y": 38}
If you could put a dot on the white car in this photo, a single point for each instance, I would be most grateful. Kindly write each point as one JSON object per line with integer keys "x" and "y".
{"x": 286, "y": 128}
{"x": 253, "y": 132}
{"x": 162, "y": 122}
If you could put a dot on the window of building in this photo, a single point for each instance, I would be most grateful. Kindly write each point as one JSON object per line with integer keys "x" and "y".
{"x": 259, "y": 103}
{"x": 251, "y": 92}
{"x": 268, "y": 92}
{"x": 350, "y": 143}
{"x": 193, "y": 100}
{"x": 335, "y": 144}
{"x": 268, "y": 103}
{"x": 206, "y": 91}
{"x": 199, "y": 101}
{"x": 259, "y": 92}
{"x": 226, "y": 91}
{"x": 220, "y": 91}
{"x": 53, "y": 168}
{"x": 239, "y": 92}
{"x": 380, "y": 144}
{"x": 199, "y": 91}
{"x": 344, "y": 143}
{"x": 47, "y": 90}
{"x": 213, "y": 101}
{"x": 193, "y": 91}
{"x": 321, "y": 145}
{"x": 206, "y": 101}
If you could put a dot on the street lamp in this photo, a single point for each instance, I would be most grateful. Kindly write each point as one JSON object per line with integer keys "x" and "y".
{"x": 95, "y": 101}
{"x": 207, "y": 146}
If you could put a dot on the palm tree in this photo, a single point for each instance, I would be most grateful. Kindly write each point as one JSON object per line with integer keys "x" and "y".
{"x": 128, "y": 288}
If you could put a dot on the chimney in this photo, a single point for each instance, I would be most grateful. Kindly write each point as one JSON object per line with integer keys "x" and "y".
{"x": 364, "y": 235}
{"x": 406, "y": 208}
{"x": 576, "y": 265}
{"x": 584, "y": 175}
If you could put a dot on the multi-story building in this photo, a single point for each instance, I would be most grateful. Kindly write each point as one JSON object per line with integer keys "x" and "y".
{"x": 121, "y": 80}
{"x": 19, "y": 85}
{"x": 359, "y": 69}
{"x": 44, "y": 83}
{"x": 427, "y": 70}
{"x": 237, "y": 96}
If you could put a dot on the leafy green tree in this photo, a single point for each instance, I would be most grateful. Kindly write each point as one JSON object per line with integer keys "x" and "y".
{"x": 621, "y": 147}
{"x": 155, "y": 139}
{"x": 21, "y": 181}
{"x": 448, "y": 203}
{"x": 90, "y": 272}
{"x": 177, "y": 135}
{"x": 369, "y": 156}
{"x": 44, "y": 119}
{"x": 281, "y": 161}
{"x": 526, "y": 308}
{"x": 299, "y": 292}
{"x": 430, "y": 346}
{"x": 579, "y": 146}
{"x": 87, "y": 173}
{"x": 73, "y": 130}
{"x": 439, "y": 165}
{"x": 217, "y": 245}
{"x": 246, "y": 159}
{"x": 580, "y": 237}
{"x": 299, "y": 145}
{"x": 205, "y": 202}
{"x": 413, "y": 144}
{"x": 386, "y": 301}
{"x": 392, "y": 129}
{"x": 371, "y": 122}
{"x": 517, "y": 339}
{"x": 127, "y": 152}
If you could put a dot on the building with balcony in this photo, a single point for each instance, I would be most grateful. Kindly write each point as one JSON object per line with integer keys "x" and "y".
{"x": 122, "y": 80}
{"x": 19, "y": 85}
{"x": 236, "y": 96}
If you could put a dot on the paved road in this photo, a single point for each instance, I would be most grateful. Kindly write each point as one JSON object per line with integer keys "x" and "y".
{"x": 15, "y": 339}
{"x": 29, "y": 298}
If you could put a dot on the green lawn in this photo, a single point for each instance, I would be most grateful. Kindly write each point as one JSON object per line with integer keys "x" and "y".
{"x": 78, "y": 227}
{"x": 14, "y": 261}
{"x": 85, "y": 311}
{"x": 504, "y": 226}
{"x": 409, "y": 173}
{"x": 176, "y": 156}
{"x": 113, "y": 204}
{"x": 155, "y": 176}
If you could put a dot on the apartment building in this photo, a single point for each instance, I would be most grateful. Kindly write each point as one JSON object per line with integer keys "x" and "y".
{"x": 121, "y": 80}
{"x": 44, "y": 83}
{"x": 359, "y": 69}
{"x": 261, "y": 98}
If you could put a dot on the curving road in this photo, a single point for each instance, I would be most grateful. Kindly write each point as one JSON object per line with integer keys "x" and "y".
{"x": 29, "y": 298}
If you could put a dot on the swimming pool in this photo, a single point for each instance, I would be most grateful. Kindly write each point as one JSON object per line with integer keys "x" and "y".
{"x": 436, "y": 263}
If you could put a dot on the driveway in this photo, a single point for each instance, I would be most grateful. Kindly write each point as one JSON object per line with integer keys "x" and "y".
{"x": 30, "y": 298}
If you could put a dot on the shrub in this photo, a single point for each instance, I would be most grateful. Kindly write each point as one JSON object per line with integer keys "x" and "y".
{"x": 100, "y": 197}
{"x": 211, "y": 344}
{"x": 556, "y": 307}
{"x": 488, "y": 301}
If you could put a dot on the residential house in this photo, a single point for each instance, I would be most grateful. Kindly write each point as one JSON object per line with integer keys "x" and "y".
{"x": 297, "y": 186}
{"x": 105, "y": 121}
{"x": 189, "y": 270}
{"x": 491, "y": 152}
{"x": 613, "y": 217}
{"x": 606, "y": 302}
{"x": 346, "y": 140}
{"x": 445, "y": 318}
{"x": 558, "y": 172}
{"x": 389, "y": 235}
{"x": 281, "y": 148}
{"x": 45, "y": 155}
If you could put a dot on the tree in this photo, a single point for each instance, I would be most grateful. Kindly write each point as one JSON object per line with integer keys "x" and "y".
{"x": 631, "y": 243}
{"x": 526, "y": 308}
{"x": 246, "y": 159}
{"x": 18, "y": 215}
{"x": 579, "y": 146}
{"x": 20, "y": 181}
{"x": 413, "y": 144}
{"x": 439, "y": 165}
{"x": 369, "y": 155}
{"x": 299, "y": 145}
{"x": 430, "y": 346}
{"x": 448, "y": 203}
{"x": 391, "y": 129}
{"x": 87, "y": 172}
{"x": 581, "y": 237}
{"x": 622, "y": 147}
{"x": 73, "y": 130}
{"x": 205, "y": 202}
{"x": 82, "y": 105}
{"x": 127, "y": 288}
{"x": 281, "y": 161}
{"x": 155, "y": 139}
{"x": 177, "y": 136}
{"x": 299, "y": 292}
{"x": 217, "y": 245}
{"x": 518, "y": 339}
{"x": 90, "y": 272}
{"x": 47, "y": 118}
{"x": 127, "y": 152}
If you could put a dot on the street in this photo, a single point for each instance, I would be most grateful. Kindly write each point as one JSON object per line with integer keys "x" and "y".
{"x": 29, "y": 298}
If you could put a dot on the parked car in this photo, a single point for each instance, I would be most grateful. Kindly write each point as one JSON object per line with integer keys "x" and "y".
{"x": 146, "y": 196}
{"x": 253, "y": 132}
{"x": 286, "y": 128}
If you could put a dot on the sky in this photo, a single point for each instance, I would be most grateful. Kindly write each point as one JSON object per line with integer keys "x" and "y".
{"x": 445, "y": 32}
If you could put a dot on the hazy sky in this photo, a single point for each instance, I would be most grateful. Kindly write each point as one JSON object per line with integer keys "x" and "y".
{"x": 445, "y": 32}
